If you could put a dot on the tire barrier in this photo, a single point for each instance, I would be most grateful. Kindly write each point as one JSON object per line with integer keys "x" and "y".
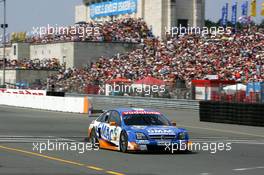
{"x": 55, "y": 94}
{"x": 232, "y": 113}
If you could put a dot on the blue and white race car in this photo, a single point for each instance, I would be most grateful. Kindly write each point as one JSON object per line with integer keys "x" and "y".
{"x": 133, "y": 129}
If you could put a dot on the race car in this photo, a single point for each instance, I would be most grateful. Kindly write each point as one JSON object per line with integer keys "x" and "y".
{"x": 133, "y": 129}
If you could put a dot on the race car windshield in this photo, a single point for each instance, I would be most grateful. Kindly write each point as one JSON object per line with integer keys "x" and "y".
{"x": 145, "y": 119}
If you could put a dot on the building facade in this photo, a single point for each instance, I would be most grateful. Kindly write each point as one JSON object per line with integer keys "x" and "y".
{"x": 160, "y": 15}
{"x": 71, "y": 54}
{"x": 13, "y": 76}
{"x": 15, "y": 51}
{"x": 78, "y": 54}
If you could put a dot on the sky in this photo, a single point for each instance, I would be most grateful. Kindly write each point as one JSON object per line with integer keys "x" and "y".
{"x": 23, "y": 15}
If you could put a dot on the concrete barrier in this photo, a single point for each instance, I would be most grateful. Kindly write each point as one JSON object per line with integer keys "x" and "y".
{"x": 62, "y": 104}
{"x": 83, "y": 104}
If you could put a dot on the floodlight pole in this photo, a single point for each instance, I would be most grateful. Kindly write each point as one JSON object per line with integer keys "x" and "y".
{"x": 4, "y": 26}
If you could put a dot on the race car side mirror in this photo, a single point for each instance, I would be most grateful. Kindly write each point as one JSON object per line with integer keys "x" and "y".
{"x": 174, "y": 123}
{"x": 112, "y": 124}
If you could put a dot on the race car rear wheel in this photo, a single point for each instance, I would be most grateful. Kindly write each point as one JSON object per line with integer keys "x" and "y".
{"x": 123, "y": 142}
{"x": 94, "y": 140}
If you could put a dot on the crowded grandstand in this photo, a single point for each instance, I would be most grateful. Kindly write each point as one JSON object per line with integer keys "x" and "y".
{"x": 235, "y": 56}
{"x": 120, "y": 30}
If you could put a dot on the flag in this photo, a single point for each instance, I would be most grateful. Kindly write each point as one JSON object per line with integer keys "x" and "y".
{"x": 253, "y": 8}
{"x": 1, "y": 39}
{"x": 262, "y": 9}
{"x": 7, "y": 38}
{"x": 245, "y": 19}
{"x": 224, "y": 15}
{"x": 223, "y": 22}
{"x": 244, "y": 8}
{"x": 234, "y": 14}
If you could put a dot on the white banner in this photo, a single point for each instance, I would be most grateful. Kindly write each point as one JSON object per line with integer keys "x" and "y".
{"x": 23, "y": 92}
{"x": 62, "y": 104}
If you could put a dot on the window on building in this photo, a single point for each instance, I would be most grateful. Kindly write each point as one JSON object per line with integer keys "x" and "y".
{"x": 15, "y": 50}
{"x": 183, "y": 23}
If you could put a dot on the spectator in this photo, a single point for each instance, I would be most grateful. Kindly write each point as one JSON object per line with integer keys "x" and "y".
{"x": 36, "y": 64}
{"x": 119, "y": 30}
{"x": 237, "y": 57}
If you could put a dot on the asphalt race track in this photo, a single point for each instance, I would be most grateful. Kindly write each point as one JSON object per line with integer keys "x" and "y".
{"x": 19, "y": 128}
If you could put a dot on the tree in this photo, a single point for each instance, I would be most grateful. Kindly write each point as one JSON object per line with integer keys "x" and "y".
{"x": 262, "y": 24}
{"x": 209, "y": 23}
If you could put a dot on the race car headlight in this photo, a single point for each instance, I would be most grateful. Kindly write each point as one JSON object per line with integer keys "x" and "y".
{"x": 182, "y": 136}
{"x": 141, "y": 136}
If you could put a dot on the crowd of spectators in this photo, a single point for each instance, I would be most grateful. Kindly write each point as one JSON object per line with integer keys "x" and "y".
{"x": 119, "y": 30}
{"x": 230, "y": 56}
{"x": 35, "y": 64}
{"x": 237, "y": 56}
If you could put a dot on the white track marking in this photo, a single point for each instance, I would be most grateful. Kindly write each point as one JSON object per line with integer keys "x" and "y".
{"x": 225, "y": 131}
{"x": 228, "y": 140}
{"x": 246, "y": 143}
{"x": 30, "y": 139}
{"x": 250, "y": 168}
{"x": 20, "y": 136}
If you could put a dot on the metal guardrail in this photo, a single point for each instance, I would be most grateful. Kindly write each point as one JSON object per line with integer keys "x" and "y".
{"x": 106, "y": 102}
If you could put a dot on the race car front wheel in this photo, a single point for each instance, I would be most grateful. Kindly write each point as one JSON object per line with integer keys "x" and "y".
{"x": 123, "y": 142}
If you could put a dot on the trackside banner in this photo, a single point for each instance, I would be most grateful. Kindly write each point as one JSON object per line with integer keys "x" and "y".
{"x": 23, "y": 92}
{"x": 114, "y": 7}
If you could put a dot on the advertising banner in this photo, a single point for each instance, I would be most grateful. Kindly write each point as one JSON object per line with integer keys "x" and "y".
{"x": 234, "y": 14}
{"x": 111, "y": 8}
{"x": 23, "y": 92}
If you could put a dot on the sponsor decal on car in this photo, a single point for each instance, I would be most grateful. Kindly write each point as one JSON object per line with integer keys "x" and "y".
{"x": 140, "y": 112}
{"x": 142, "y": 142}
{"x": 160, "y": 131}
{"x": 107, "y": 132}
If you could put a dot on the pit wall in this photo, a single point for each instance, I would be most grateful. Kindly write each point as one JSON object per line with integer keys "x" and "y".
{"x": 60, "y": 104}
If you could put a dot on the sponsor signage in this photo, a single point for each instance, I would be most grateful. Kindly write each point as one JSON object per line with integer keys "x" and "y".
{"x": 112, "y": 8}
{"x": 160, "y": 131}
{"x": 140, "y": 112}
{"x": 23, "y": 92}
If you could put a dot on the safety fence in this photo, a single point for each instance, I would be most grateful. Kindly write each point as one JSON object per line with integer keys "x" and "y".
{"x": 232, "y": 113}
{"x": 76, "y": 103}
{"x": 106, "y": 102}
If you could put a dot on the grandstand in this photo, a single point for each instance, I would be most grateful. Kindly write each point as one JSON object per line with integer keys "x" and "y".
{"x": 228, "y": 56}
{"x": 237, "y": 57}
{"x": 168, "y": 13}
{"x": 127, "y": 47}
